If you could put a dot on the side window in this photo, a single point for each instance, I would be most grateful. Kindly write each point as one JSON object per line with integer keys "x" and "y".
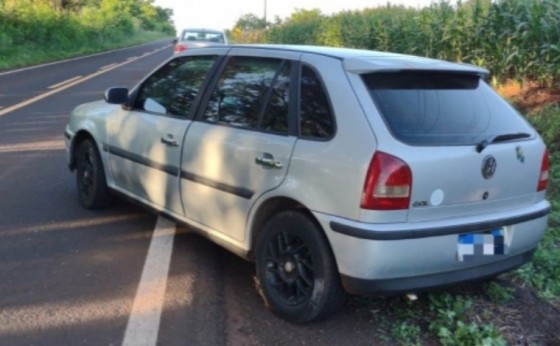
{"x": 173, "y": 88}
{"x": 241, "y": 93}
{"x": 316, "y": 120}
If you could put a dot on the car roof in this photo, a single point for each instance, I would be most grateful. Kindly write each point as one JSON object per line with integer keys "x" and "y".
{"x": 213, "y": 31}
{"x": 362, "y": 61}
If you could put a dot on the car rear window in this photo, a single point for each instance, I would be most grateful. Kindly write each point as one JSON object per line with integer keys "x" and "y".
{"x": 204, "y": 36}
{"x": 439, "y": 108}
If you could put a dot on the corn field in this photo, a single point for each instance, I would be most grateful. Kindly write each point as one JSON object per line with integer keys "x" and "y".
{"x": 515, "y": 39}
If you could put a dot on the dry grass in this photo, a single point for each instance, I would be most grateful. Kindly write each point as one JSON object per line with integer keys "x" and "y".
{"x": 528, "y": 96}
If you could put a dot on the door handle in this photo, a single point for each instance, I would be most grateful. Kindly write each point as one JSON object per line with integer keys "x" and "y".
{"x": 267, "y": 160}
{"x": 169, "y": 140}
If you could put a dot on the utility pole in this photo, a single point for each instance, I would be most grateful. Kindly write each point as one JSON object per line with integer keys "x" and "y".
{"x": 264, "y": 12}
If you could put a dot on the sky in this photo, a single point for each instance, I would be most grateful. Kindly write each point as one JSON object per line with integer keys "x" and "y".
{"x": 223, "y": 14}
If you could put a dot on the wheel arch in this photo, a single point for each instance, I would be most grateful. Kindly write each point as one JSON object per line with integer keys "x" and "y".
{"x": 271, "y": 207}
{"x": 78, "y": 138}
{"x": 320, "y": 292}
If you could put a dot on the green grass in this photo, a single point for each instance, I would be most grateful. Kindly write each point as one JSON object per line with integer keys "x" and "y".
{"x": 452, "y": 322}
{"x": 498, "y": 293}
{"x": 406, "y": 333}
{"x": 456, "y": 317}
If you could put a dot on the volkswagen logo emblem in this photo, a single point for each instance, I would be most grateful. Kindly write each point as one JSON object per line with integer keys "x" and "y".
{"x": 489, "y": 165}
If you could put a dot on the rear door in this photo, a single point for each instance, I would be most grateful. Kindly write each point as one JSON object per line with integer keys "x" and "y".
{"x": 145, "y": 141}
{"x": 240, "y": 147}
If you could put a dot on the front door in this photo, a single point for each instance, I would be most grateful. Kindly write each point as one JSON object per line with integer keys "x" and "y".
{"x": 145, "y": 142}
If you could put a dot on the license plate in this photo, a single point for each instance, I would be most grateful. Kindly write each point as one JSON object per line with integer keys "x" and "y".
{"x": 471, "y": 246}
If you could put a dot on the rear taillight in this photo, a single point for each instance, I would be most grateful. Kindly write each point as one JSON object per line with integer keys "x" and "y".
{"x": 180, "y": 47}
{"x": 543, "y": 177}
{"x": 388, "y": 184}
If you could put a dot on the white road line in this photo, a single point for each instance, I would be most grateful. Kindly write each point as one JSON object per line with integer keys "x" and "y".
{"x": 143, "y": 323}
{"x": 64, "y": 87}
{"x": 71, "y": 59}
{"x": 107, "y": 66}
{"x": 54, "y": 86}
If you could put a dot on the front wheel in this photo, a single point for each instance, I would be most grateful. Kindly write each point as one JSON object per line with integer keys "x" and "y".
{"x": 296, "y": 269}
{"x": 90, "y": 177}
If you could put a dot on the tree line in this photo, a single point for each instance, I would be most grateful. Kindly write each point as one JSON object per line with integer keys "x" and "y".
{"x": 35, "y": 30}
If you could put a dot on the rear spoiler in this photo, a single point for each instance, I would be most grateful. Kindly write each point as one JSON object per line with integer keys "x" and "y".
{"x": 396, "y": 63}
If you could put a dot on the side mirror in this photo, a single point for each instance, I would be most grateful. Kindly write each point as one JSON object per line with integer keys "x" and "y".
{"x": 175, "y": 40}
{"x": 116, "y": 96}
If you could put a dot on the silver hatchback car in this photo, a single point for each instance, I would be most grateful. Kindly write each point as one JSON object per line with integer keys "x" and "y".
{"x": 334, "y": 170}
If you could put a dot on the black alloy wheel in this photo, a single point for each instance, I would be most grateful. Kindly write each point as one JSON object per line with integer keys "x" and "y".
{"x": 289, "y": 268}
{"x": 296, "y": 269}
{"x": 90, "y": 177}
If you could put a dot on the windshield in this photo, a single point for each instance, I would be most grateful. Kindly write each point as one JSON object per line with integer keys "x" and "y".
{"x": 441, "y": 108}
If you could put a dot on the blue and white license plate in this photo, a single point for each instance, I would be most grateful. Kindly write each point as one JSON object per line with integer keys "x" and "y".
{"x": 472, "y": 246}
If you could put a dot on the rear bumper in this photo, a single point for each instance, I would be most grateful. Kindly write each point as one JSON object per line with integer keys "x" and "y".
{"x": 431, "y": 281}
{"x": 433, "y": 229}
{"x": 374, "y": 258}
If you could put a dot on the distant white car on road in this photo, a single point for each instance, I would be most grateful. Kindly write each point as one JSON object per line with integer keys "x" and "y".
{"x": 334, "y": 170}
{"x": 196, "y": 38}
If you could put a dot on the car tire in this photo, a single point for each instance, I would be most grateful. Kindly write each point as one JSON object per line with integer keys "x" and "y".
{"x": 90, "y": 177}
{"x": 297, "y": 274}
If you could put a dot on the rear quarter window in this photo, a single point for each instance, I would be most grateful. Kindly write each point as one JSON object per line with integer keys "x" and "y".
{"x": 316, "y": 119}
{"x": 438, "y": 108}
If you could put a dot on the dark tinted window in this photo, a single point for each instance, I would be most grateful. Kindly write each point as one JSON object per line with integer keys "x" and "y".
{"x": 431, "y": 108}
{"x": 206, "y": 36}
{"x": 173, "y": 88}
{"x": 241, "y": 92}
{"x": 315, "y": 115}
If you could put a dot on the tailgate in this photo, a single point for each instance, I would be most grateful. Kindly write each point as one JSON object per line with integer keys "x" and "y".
{"x": 459, "y": 181}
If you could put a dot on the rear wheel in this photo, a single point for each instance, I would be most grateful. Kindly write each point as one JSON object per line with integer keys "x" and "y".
{"x": 90, "y": 177}
{"x": 296, "y": 269}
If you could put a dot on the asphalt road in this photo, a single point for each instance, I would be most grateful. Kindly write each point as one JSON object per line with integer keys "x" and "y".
{"x": 70, "y": 276}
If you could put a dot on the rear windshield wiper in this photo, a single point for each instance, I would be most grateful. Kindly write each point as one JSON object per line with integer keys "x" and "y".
{"x": 501, "y": 138}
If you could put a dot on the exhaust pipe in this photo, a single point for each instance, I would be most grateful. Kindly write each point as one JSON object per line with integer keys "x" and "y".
{"x": 412, "y": 297}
